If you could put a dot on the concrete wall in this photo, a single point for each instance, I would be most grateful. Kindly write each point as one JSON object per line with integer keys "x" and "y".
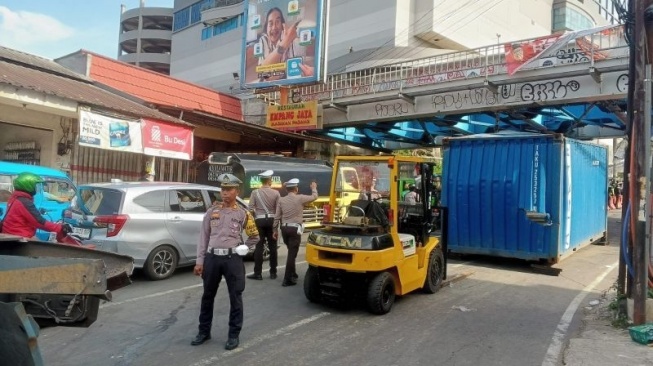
{"x": 210, "y": 62}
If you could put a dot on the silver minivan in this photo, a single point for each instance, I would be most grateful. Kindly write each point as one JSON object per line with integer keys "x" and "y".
{"x": 156, "y": 223}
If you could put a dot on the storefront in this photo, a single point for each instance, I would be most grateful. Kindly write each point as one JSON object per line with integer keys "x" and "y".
{"x": 110, "y": 147}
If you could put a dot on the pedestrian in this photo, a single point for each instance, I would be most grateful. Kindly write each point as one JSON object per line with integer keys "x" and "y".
{"x": 411, "y": 196}
{"x": 263, "y": 204}
{"x": 219, "y": 253}
{"x": 290, "y": 215}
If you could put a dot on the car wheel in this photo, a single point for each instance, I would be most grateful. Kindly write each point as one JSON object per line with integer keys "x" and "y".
{"x": 161, "y": 263}
{"x": 435, "y": 272}
{"x": 381, "y": 294}
{"x": 312, "y": 285}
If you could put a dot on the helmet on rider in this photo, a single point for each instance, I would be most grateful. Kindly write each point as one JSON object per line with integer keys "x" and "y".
{"x": 27, "y": 182}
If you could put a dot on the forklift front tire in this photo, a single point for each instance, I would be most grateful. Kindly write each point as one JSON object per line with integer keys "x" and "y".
{"x": 312, "y": 285}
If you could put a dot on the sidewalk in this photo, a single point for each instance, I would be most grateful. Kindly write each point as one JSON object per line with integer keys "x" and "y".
{"x": 598, "y": 342}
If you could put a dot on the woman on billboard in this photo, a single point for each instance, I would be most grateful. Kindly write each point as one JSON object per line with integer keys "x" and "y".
{"x": 277, "y": 43}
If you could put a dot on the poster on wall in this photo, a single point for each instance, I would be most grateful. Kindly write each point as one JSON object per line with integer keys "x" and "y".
{"x": 166, "y": 140}
{"x": 283, "y": 42}
{"x": 109, "y": 133}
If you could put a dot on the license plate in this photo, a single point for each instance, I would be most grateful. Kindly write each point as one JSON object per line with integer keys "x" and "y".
{"x": 82, "y": 233}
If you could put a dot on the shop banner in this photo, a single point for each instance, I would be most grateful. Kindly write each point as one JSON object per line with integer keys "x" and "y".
{"x": 298, "y": 116}
{"x": 167, "y": 140}
{"x": 519, "y": 54}
{"x": 109, "y": 133}
{"x": 283, "y": 43}
{"x": 557, "y": 47}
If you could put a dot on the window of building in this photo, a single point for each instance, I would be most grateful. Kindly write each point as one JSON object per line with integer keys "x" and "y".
{"x": 207, "y": 33}
{"x": 224, "y": 27}
{"x": 570, "y": 19}
{"x": 181, "y": 19}
{"x": 195, "y": 13}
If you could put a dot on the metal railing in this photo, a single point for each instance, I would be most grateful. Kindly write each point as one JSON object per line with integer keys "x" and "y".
{"x": 475, "y": 63}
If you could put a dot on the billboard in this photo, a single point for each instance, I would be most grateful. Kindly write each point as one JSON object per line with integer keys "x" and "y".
{"x": 109, "y": 133}
{"x": 283, "y": 42}
{"x": 166, "y": 140}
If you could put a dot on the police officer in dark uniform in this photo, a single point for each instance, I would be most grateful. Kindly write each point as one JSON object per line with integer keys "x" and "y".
{"x": 219, "y": 253}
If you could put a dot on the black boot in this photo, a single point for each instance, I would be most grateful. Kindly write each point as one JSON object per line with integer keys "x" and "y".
{"x": 255, "y": 276}
{"x": 200, "y": 338}
{"x": 231, "y": 344}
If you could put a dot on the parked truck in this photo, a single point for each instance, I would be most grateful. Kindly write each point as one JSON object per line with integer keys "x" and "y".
{"x": 51, "y": 284}
{"x": 247, "y": 167}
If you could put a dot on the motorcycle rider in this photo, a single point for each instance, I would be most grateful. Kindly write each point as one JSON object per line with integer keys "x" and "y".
{"x": 23, "y": 218}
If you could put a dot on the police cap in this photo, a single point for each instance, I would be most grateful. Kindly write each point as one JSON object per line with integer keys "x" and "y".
{"x": 228, "y": 180}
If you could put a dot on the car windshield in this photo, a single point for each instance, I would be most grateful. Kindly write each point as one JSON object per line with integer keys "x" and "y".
{"x": 97, "y": 201}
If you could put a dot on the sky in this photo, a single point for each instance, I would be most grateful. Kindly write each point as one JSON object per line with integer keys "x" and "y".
{"x": 55, "y": 28}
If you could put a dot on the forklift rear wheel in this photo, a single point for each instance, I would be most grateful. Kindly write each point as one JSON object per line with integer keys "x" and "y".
{"x": 312, "y": 285}
{"x": 381, "y": 293}
{"x": 435, "y": 272}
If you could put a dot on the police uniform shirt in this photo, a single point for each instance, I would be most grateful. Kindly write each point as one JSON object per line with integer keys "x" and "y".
{"x": 266, "y": 197}
{"x": 290, "y": 209}
{"x": 221, "y": 228}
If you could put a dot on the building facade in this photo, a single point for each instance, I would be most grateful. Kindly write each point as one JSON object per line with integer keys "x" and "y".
{"x": 145, "y": 37}
{"x": 207, "y": 34}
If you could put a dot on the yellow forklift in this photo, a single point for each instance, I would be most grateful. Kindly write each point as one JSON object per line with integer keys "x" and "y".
{"x": 387, "y": 243}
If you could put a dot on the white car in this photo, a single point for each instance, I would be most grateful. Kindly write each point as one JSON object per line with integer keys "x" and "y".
{"x": 156, "y": 223}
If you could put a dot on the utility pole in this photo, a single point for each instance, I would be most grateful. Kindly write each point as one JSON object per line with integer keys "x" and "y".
{"x": 641, "y": 143}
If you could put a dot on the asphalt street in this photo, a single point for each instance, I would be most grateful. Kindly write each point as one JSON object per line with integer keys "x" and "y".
{"x": 498, "y": 312}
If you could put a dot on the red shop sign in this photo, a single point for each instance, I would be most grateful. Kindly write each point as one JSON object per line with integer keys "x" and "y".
{"x": 167, "y": 140}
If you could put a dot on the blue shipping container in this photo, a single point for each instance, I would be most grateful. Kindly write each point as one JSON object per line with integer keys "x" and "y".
{"x": 526, "y": 196}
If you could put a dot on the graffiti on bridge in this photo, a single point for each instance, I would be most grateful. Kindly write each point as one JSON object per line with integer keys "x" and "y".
{"x": 391, "y": 109}
{"x": 464, "y": 99}
{"x": 622, "y": 83}
{"x": 550, "y": 90}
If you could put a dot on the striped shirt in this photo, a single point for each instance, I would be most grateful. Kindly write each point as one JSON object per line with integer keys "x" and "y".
{"x": 290, "y": 209}
{"x": 264, "y": 201}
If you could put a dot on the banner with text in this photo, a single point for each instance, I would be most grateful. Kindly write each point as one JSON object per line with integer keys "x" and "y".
{"x": 109, "y": 133}
{"x": 298, "y": 116}
{"x": 166, "y": 140}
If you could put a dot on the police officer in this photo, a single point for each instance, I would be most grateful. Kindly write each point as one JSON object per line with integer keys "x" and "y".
{"x": 263, "y": 203}
{"x": 219, "y": 254}
{"x": 290, "y": 215}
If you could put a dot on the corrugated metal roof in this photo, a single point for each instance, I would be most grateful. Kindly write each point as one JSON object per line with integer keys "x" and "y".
{"x": 36, "y": 62}
{"x": 161, "y": 89}
{"x": 46, "y": 76}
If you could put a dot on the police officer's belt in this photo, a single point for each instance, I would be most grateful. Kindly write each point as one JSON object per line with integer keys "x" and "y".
{"x": 221, "y": 251}
{"x": 292, "y": 224}
{"x": 264, "y": 216}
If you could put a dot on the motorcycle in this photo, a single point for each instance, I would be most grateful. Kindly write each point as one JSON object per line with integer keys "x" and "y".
{"x": 67, "y": 237}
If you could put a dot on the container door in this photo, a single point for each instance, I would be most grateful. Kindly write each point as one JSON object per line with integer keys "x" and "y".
{"x": 585, "y": 194}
